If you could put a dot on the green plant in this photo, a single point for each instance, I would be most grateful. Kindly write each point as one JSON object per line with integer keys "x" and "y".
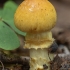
{"x": 8, "y": 37}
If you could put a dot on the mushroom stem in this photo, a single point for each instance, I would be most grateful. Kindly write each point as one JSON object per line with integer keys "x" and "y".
{"x": 40, "y": 59}
{"x": 38, "y": 44}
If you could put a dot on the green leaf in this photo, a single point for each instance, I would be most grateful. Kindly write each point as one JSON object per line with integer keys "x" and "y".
{"x": 8, "y": 39}
{"x": 8, "y": 15}
{"x": 9, "y": 10}
{"x": 11, "y": 23}
{"x": 0, "y": 13}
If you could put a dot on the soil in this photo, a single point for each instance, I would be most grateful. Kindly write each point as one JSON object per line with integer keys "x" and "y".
{"x": 60, "y": 63}
{"x": 16, "y": 63}
{"x": 13, "y": 62}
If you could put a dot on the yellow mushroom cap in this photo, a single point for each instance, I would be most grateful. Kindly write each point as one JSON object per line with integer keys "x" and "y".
{"x": 35, "y": 16}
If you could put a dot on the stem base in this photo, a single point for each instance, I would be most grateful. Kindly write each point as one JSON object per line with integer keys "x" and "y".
{"x": 40, "y": 59}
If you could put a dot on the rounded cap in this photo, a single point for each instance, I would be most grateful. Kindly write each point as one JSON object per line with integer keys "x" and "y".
{"x": 35, "y": 16}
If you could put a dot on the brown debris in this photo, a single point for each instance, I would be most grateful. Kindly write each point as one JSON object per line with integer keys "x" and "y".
{"x": 56, "y": 63}
{"x": 60, "y": 63}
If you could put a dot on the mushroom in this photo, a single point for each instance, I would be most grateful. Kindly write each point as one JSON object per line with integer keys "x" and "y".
{"x": 37, "y": 18}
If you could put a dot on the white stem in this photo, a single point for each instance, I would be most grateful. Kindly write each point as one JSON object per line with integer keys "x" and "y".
{"x": 40, "y": 59}
{"x": 38, "y": 43}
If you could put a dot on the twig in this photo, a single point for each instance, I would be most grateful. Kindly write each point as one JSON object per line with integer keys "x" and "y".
{"x": 2, "y": 65}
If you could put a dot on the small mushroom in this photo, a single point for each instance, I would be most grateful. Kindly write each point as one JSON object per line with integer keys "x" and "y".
{"x": 37, "y": 18}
